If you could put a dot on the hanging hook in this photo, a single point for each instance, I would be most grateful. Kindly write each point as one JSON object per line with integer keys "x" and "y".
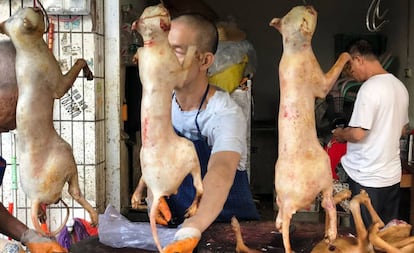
{"x": 45, "y": 16}
{"x": 373, "y": 14}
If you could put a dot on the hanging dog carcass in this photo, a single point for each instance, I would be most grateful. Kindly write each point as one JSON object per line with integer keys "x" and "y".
{"x": 46, "y": 160}
{"x": 302, "y": 169}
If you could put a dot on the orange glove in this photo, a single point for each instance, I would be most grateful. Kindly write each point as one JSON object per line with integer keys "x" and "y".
{"x": 185, "y": 241}
{"x": 37, "y": 243}
{"x": 164, "y": 213}
{"x": 45, "y": 247}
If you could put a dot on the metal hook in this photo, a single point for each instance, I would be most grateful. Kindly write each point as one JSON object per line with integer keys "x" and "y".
{"x": 45, "y": 16}
{"x": 373, "y": 14}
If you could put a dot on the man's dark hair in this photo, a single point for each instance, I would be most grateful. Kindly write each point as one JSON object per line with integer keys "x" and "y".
{"x": 207, "y": 31}
{"x": 363, "y": 48}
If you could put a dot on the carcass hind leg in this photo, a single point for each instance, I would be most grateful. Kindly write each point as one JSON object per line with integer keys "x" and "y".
{"x": 330, "y": 209}
{"x": 35, "y": 213}
{"x": 283, "y": 218}
{"x": 241, "y": 247}
{"x": 278, "y": 222}
{"x": 136, "y": 199}
{"x": 340, "y": 196}
{"x": 198, "y": 184}
{"x": 76, "y": 194}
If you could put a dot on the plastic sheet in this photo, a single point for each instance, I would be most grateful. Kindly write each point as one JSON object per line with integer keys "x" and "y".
{"x": 232, "y": 52}
{"x": 118, "y": 232}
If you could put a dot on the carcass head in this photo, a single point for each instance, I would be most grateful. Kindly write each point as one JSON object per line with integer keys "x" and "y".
{"x": 26, "y": 23}
{"x": 299, "y": 22}
{"x": 154, "y": 21}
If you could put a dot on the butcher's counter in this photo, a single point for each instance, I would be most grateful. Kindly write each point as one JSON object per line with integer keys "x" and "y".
{"x": 261, "y": 235}
{"x": 219, "y": 237}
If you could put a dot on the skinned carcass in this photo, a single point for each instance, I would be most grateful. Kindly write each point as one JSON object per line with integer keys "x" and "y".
{"x": 46, "y": 160}
{"x": 302, "y": 170}
{"x": 166, "y": 158}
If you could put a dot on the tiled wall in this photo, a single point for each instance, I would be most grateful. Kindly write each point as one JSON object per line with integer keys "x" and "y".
{"x": 78, "y": 116}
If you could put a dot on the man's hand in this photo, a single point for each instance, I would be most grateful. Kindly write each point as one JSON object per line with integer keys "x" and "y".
{"x": 350, "y": 134}
{"x": 338, "y": 134}
{"x": 164, "y": 213}
{"x": 37, "y": 243}
{"x": 185, "y": 241}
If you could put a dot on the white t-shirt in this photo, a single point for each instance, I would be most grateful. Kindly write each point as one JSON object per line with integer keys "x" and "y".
{"x": 222, "y": 122}
{"x": 381, "y": 107}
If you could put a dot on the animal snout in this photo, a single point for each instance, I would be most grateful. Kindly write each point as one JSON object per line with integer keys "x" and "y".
{"x": 136, "y": 24}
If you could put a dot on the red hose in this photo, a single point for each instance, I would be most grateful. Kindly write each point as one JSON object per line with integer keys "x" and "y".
{"x": 50, "y": 35}
{"x": 10, "y": 209}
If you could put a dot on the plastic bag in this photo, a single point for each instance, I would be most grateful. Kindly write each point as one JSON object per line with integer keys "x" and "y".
{"x": 233, "y": 52}
{"x": 7, "y": 246}
{"x": 118, "y": 232}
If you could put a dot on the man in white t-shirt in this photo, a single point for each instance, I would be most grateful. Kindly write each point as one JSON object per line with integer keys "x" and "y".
{"x": 379, "y": 119}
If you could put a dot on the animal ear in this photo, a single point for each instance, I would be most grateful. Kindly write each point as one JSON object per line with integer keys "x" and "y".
{"x": 276, "y": 23}
{"x": 165, "y": 26}
{"x": 28, "y": 25}
{"x": 305, "y": 29}
{"x": 134, "y": 26}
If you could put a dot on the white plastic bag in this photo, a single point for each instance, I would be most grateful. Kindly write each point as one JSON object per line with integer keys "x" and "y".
{"x": 118, "y": 232}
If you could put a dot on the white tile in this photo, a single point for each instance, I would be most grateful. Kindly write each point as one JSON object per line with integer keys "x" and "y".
{"x": 76, "y": 46}
{"x": 87, "y": 24}
{"x": 4, "y": 11}
{"x": 78, "y": 145}
{"x": 70, "y": 23}
{"x": 88, "y": 100}
{"x": 90, "y": 152}
{"x": 90, "y": 183}
{"x": 28, "y": 3}
{"x": 56, "y": 110}
{"x": 65, "y": 131}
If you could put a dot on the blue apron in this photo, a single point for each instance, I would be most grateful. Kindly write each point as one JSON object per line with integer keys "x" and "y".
{"x": 239, "y": 202}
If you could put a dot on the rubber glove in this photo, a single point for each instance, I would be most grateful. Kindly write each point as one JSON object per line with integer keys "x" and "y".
{"x": 36, "y": 243}
{"x": 185, "y": 241}
{"x": 163, "y": 211}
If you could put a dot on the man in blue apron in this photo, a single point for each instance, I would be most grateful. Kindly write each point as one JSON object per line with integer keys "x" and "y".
{"x": 216, "y": 125}
{"x": 12, "y": 227}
